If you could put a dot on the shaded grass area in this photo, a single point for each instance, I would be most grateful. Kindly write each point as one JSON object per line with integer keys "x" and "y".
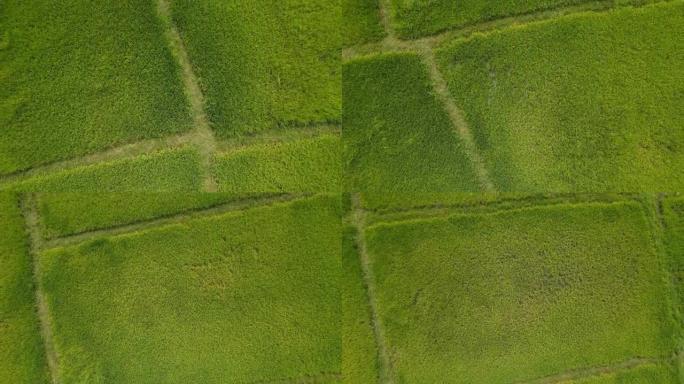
{"x": 413, "y": 19}
{"x": 22, "y": 356}
{"x": 261, "y": 67}
{"x": 361, "y": 22}
{"x": 71, "y": 213}
{"x": 519, "y": 295}
{"x": 170, "y": 170}
{"x": 647, "y": 374}
{"x": 82, "y": 76}
{"x": 359, "y": 353}
{"x": 587, "y": 102}
{"x": 306, "y": 165}
{"x": 240, "y": 297}
{"x": 396, "y": 136}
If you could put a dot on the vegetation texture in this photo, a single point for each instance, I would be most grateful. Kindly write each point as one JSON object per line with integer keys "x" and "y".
{"x": 361, "y": 22}
{"x": 81, "y": 77}
{"x": 588, "y": 102}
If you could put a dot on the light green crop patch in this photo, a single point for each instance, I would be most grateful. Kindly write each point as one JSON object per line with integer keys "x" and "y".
{"x": 418, "y": 18}
{"x": 361, "y": 22}
{"x": 518, "y": 295}
{"x": 82, "y": 77}
{"x": 247, "y": 296}
{"x": 22, "y": 355}
{"x": 261, "y": 67}
{"x": 589, "y": 102}
{"x": 396, "y": 137}
{"x": 170, "y": 170}
{"x": 306, "y": 165}
{"x": 673, "y": 212}
{"x": 359, "y": 353}
{"x": 646, "y": 374}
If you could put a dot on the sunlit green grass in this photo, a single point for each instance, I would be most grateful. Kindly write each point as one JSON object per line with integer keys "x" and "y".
{"x": 673, "y": 211}
{"x": 276, "y": 64}
{"x": 522, "y": 294}
{"x": 241, "y": 297}
{"x": 83, "y": 76}
{"x": 361, "y": 22}
{"x": 583, "y": 103}
{"x": 396, "y": 136}
{"x": 306, "y": 165}
{"x": 646, "y": 374}
{"x": 22, "y": 357}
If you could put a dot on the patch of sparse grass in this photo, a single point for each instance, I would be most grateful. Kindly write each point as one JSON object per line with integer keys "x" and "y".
{"x": 361, "y": 22}
{"x": 307, "y": 165}
{"x": 239, "y": 297}
{"x": 517, "y": 295}
{"x": 396, "y": 136}
{"x": 419, "y": 18}
{"x": 261, "y": 67}
{"x": 83, "y": 76}
{"x": 70, "y": 213}
{"x": 359, "y": 353}
{"x": 22, "y": 356}
{"x": 172, "y": 170}
{"x": 588, "y": 102}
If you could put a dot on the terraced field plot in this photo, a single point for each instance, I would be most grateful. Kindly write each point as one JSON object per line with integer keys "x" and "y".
{"x": 246, "y": 293}
{"x": 128, "y": 111}
{"x": 562, "y": 291}
{"x": 582, "y": 99}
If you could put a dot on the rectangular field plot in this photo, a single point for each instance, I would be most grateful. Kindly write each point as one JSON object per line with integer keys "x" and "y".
{"x": 243, "y": 297}
{"x": 589, "y": 102}
{"x": 306, "y": 165}
{"x": 419, "y": 18}
{"x": 169, "y": 170}
{"x": 81, "y": 77}
{"x": 266, "y": 66}
{"x": 521, "y": 294}
{"x": 22, "y": 355}
{"x": 396, "y": 136}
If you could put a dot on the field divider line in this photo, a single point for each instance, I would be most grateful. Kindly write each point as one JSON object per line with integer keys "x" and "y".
{"x": 32, "y": 223}
{"x": 305, "y": 379}
{"x": 125, "y": 151}
{"x": 203, "y": 136}
{"x": 575, "y": 374}
{"x": 231, "y": 206}
{"x": 486, "y": 209}
{"x": 386, "y": 375}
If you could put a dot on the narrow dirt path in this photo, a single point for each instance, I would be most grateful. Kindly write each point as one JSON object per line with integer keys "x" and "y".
{"x": 30, "y": 213}
{"x": 203, "y": 137}
{"x": 358, "y": 221}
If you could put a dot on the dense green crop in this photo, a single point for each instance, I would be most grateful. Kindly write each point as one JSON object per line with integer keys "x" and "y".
{"x": 646, "y": 374}
{"x": 260, "y": 67}
{"x": 22, "y": 358}
{"x": 396, "y": 136}
{"x": 172, "y": 170}
{"x": 81, "y": 77}
{"x": 307, "y": 165}
{"x": 361, "y": 22}
{"x": 673, "y": 211}
{"x": 515, "y": 295}
{"x": 70, "y": 213}
{"x": 418, "y": 18}
{"x": 588, "y": 102}
{"x": 239, "y": 297}
{"x": 359, "y": 354}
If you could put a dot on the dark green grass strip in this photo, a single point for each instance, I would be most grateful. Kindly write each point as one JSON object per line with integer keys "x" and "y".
{"x": 82, "y": 77}
{"x": 22, "y": 355}
{"x": 396, "y": 136}
{"x": 361, "y": 22}
{"x": 585, "y": 102}
{"x": 359, "y": 353}
{"x": 413, "y": 19}
{"x": 172, "y": 170}
{"x": 240, "y": 297}
{"x": 515, "y": 296}
{"x": 307, "y": 165}
{"x": 262, "y": 67}
{"x": 673, "y": 214}
{"x": 65, "y": 214}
